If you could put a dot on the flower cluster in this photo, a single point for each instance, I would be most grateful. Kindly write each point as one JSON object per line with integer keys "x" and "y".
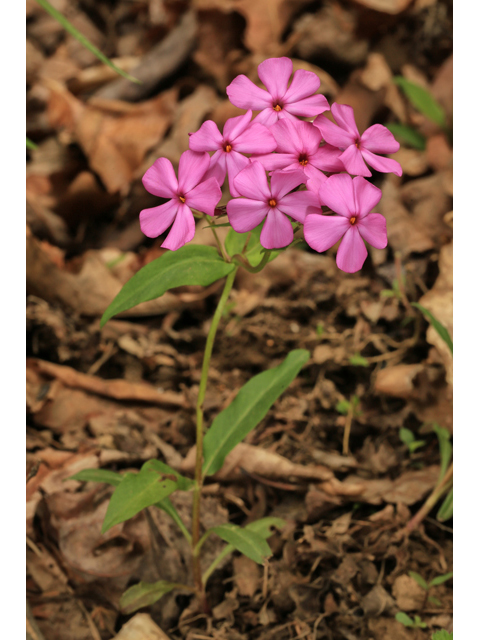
{"x": 321, "y": 155}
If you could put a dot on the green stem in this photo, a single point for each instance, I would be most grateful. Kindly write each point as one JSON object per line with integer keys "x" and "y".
{"x": 223, "y": 554}
{"x": 197, "y": 574}
{"x": 217, "y": 239}
{"x": 241, "y": 260}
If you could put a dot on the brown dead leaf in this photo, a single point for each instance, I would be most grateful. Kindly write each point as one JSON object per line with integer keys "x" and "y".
{"x": 383, "y": 628}
{"x": 141, "y": 627}
{"x": 377, "y": 602}
{"x": 398, "y": 381}
{"x": 391, "y": 7}
{"x": 247, "y": 575}
{"x": 408, "y": 593}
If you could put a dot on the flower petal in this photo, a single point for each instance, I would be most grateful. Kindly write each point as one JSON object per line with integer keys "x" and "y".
{"x": 182, "y": 231}
{"x": 277, "y": 231}
{"x": 308, "y": 107}
{"x": 284, "y": 181}
{"x": 205, "y": 196}
{"x": 275, "y": 74}
{"x": 333, "y": 134}
{"x": 314, "y": 183}
{"x": 353, "y": 161}
{"x": 244, "y": 214}
{"x": 385, "y": 165}
{"x": 235, "y": 126}
{"x": 235, "y": 163}
{"x": 218, "y": 167}
{"x": 345, "y": 118}
{"x": 268, "y": 116}
{"x": 191, "y": 169}
{"x": 367, "y": 196}
{"x": 373, "y": 229}
{"x": 243, "y": 93}
{"x": 378, "y": 139}
{"x": 255, "y": 139}
{"x": 322, "y": 232}
{"x": 327, "y": 158}
{"x": 299, "y": 204}
{"x": 160, "y": 179}
{"x": 252, "y": 183}
{"x": 207, "y": 138}
{"x": 304, "y": 84}
{"x": 337, "y": 193}
{"x": 276, "y": 161}
{"x": 352, "y": 251}
{"x": 154, "y": 221}
{"x": 287, "y": 136}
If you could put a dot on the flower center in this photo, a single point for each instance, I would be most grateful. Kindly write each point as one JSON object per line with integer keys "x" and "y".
{"x": 277, "y": 107}
{"x": 353, "y": 220}
{"x": 357, "y": 143}
{"x": 272, "y": 203}
{"x": 227, "y": 147}
{"x": 181, "y": 198}
{"x": 303, "y": 159}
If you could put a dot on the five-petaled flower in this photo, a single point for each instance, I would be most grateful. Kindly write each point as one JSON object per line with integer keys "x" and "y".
{"x": 239, "y": 136}
{"x": 353, "y": 199}
{"x": 280, "y": 100}
{"x": 190, "y": 190}
{"x": 272, "y": 203}
{"x": 358, "y": 149}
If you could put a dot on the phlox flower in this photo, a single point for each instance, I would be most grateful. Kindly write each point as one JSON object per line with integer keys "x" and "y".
{"x": 273, "y": 204}
{"x": 190, "y": 190}
{"x": 358, "y": 149}
{"x": 353, "y": 199}
{"x": 298, "y": 149}
{"x": 279, "y": 100}
{"x": 239, "y": 136}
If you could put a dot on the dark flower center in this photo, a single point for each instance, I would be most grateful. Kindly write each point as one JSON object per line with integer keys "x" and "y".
{"x": 181, "y": 198}
{"x": 353, "y": 220}
{"x": 272, "y": 203}
{"x": 277, "y": 107}
{"x": 227, "y": 147}
{"x": 303, "y": 159}
{"x": 357, "y": 143}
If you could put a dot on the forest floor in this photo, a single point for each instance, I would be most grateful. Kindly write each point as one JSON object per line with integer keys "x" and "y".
{"x": 341, "y": 566}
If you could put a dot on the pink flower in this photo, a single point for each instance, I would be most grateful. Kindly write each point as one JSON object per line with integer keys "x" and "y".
{"x": 359, "y": 149}
{"x": 188, "y": 191}
{"x": 298, "y": 149}
{"x": 353, "y": 199}
{"x": 239, "y": 136}
{"x": 279, "y": 101}
{"x": 273, "y": 203}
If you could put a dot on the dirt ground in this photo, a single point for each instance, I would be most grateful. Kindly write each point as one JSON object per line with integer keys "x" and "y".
{"x": 115, "y": 397}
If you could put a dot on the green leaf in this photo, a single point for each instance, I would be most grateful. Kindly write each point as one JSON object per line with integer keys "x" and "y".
{"x": 419, "y": 623}
{"x": 319, "y": 329}
{"x": 442, "y": 635}
{"x": 31, "y": 144}
{"x": 358, "y": 360}
{"x": 440, "y": 579}
{"x": 191, "y": 264}
{"x": 422, "y": 100}
{"x": 404, "y": 619}
{"x": 83, "y": 40}
{"x": 343, "y": 407}
{"x": 406, "y": 436}
{"x": 445, "y": 446}
{"x": 235, "y": 242}
{"x": 438, "y": 326}
{"x": 418, "y": 579}
{"x": 248, "y": 408}
{"x": 446, "y": 510}
{"x": 98, "y": 475}
{"x": 154, "y": 482}
{"x": 264, "y": 526}
{"x": 407, "y": 135}
{"x": 167, "y": 506}
{"x": 144, "y": 594}
{"x": 434, "y": 601}
{"x": 251, "y": 544}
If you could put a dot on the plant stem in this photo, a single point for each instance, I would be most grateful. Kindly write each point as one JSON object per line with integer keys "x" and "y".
{"x": 247, "y": 266}
{"x": 442, "y": 487}
{"x": 217, "y": 239}
{"x": 197, "y": 574}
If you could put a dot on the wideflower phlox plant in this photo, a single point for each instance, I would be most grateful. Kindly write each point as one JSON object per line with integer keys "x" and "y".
{"x": 283, "y": 173}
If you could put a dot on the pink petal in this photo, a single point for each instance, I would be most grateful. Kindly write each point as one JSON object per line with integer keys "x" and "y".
{"x": 308, "y": 107}
{"x": 333, "y": 134}
{"x": 277, "y": 231}
{"x": 182, "y": 231}
{"x": 337, "y": 193}
{"x": 235, "y": 163}
{"x": 252, "y": 183}
{"x": 244, "y": 215}
{"x": 287, "y": 136}
{"x": 385, "y": 165}
{"x": 275, "y": 74}
{"x": 367, "y": 196}
{"x": 236, "y": 126}
{"x": 154, "y": 221}
{"x": 218, "y": 167}
{"x": 344, "y": 116}
{"x": 353, "y": 161}
{"x": 312, "y": 174}
{"x": 327, "y": 158}
{"x": 299, "y": 204}
{"x": 276, "y": 161}
{"x": 191, "y": 169}
{"x": 285, "y": 181}
{"x": 378, "y": 139}
{"x": 207, "y": 138}
{"x": 267, "y": 117}
{"x": 315, "y": 182}
{"x": 256, "y": 139}
{"x": 160, "y": 179}
{"x": 246, "y": 95}
{"x": 373, "y": 229}
{"x": 322, "y": 232}
{"x": 205, "y": 196}
{"x": 352, "y": 251}
{"x": 303, "y": 84}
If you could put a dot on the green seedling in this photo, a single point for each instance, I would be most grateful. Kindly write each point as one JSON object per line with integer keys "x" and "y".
{"x": 408, "y": 438}
{"x": 357, "y": 360}
{"x": 442, "y": 635}
{"x": 428, "y": 585}
{"x": 404, "y": 619}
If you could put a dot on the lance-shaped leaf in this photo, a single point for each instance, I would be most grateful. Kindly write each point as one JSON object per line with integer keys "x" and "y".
{"x": 235, "y": 243}
{"x": 191, "y": 264}
{"x": 152, "y": 484}
{"x": 98, "y": 475}
{"x": 422, "y": 100}
{"x": 438, "y": 326}
{"x": 144, "y": 593}
{"x": 446, "y": 510}
{"x": 251, "y": 544}
{"x": 248, "y": 408}
{"x": 407, "y": 135}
